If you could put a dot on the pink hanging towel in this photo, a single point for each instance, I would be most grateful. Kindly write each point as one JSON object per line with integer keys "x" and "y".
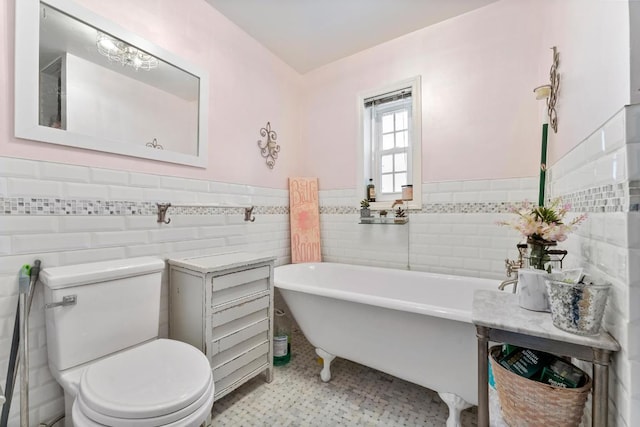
{"x": 305, "y": 220}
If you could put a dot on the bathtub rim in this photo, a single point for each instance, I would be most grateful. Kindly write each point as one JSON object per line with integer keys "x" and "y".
{"x": 450, "y": 313}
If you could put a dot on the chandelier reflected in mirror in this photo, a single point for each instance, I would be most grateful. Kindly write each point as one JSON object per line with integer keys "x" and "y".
{"x": 124, "y": 54}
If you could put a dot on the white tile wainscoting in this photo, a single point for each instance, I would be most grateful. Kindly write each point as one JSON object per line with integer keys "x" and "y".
{"x": 64, "y": 214}
{"x": 455, "y": 232}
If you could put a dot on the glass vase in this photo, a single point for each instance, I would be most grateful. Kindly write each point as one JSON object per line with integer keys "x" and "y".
{"x": 539, "y": 253}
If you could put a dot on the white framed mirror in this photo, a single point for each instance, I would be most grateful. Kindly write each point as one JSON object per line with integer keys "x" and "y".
{"x": 83, "y": 81}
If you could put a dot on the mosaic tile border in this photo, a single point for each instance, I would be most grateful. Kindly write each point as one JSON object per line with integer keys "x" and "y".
{"x": 459, "y": 207}
{"x": 622, "y": 197}
{"x": 634, "y": 196}
{"x": 55, "y": 206}
{"x": 204, "y": 210}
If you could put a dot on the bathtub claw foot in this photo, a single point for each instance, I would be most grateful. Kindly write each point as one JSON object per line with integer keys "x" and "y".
{"x": 327, "y": 358}
{"x": 456, "y": 405}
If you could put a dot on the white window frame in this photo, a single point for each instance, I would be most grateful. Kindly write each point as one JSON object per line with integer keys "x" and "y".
{"x": 367, "y": 159}
{"x": 378, "y": 152}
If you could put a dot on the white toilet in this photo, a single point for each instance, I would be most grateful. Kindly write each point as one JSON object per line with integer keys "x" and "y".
{"x": 102, "y": 336}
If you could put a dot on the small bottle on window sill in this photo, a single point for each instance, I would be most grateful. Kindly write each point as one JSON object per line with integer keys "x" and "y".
{"x": 371, "y": 191}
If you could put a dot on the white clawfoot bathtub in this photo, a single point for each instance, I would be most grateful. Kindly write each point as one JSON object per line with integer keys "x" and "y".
{"x": 412, "y": 325}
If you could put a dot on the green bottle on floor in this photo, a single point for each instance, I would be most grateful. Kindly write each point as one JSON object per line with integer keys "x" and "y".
{"x": 281, "y": 339}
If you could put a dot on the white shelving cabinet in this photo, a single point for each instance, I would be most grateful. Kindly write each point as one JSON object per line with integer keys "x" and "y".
{"x": 223, "y": 305}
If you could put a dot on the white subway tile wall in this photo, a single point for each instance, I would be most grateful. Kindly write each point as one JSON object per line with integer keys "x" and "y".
{"x": 107, "y": 176}
{"x": 345, "y": 241}
{"x": 633, "y": 161}
{"x": 64, "y": 214}
{"x": 455, "y": 232}
{"x": 599, "y": 176}
{"x": 60, "y": 172}
{"x": 632, "y": 123}
{"x": 19, "y": 167}
{"x": 20, "y": 187}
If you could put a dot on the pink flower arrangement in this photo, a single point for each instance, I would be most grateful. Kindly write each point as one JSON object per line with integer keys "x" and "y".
{"x": 543, "y": 223}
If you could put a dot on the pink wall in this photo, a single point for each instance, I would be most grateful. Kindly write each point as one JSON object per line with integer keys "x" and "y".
{"x": 248, "y": 87}
{"x": 480, "y": 118}
{"x": 479, "y": 115}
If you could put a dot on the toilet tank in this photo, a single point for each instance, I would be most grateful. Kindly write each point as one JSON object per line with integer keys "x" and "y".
{"x": 117, "y": 306}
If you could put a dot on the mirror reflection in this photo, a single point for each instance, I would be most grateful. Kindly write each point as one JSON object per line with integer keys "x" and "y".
{"x": 95, "y": 85}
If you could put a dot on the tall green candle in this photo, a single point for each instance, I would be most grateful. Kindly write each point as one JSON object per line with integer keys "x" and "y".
{"x": 543, "y": 164}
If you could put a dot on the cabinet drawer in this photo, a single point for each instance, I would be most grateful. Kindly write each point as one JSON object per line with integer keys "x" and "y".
{"x": 237, "y": 285}
{"x": 261, "y": 351}
{"x": 237, "y": 311}
{"x": 235, "y": 379}
{"x": 237, "y": 350}
{"x": 241, "y": 277}
{"x": 229, "y": 328}
{"x": 239, "y": 336}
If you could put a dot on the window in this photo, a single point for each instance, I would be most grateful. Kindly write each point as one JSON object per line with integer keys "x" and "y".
{"x": 391, "y": 141}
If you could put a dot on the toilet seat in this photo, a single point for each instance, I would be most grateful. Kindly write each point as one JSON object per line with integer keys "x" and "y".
{"x": 194, "y": 419}
{"x": 159, "y": 383}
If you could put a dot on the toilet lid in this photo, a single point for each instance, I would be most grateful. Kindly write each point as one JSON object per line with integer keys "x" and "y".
{"x": 148, "y": 381}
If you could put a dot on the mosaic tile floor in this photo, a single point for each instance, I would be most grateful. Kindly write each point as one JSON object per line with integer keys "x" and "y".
{"x": 355, "y": 396}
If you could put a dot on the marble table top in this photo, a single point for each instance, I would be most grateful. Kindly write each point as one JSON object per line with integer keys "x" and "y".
{"x": 500, "y": 310}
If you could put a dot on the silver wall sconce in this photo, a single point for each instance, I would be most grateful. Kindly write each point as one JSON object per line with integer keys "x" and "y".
{"x": 550, "y": 91}
{"x": 269, "y": 149}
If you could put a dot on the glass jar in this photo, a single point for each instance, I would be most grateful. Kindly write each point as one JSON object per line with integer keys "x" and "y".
{"x": 281, "y": 338}
{"x": 407, "y": 192}
{"x": 538, "y": 255}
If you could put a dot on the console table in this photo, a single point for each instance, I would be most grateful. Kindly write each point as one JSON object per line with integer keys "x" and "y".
{"x": 498, "y": 317}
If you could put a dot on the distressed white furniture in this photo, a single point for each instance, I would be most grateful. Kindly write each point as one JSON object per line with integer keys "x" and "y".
{"x": 223, "y": 305}
{"x": 499, "y": 318}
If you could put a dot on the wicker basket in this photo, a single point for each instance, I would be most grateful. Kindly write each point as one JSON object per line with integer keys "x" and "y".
{"x": 527, "y": 403}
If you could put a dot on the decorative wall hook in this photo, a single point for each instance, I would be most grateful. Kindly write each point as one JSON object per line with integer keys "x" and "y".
{"x": 162, "y": 212}
{"x": 554, "y": 79}
{"x": 269, "y": 149}
{"x": 248, "y": 214}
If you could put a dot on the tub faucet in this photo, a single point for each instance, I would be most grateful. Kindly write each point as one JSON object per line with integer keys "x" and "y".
{"x": 507, "y": 282}
{"x": 513, "y": 267}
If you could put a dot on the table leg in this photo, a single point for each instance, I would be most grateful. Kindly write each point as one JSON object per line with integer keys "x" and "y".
{"x": 482, "y": 333}
{"x": 600, "y": 402}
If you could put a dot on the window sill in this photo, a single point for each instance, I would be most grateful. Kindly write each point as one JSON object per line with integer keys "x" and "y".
{"x": 386, "y": 205}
